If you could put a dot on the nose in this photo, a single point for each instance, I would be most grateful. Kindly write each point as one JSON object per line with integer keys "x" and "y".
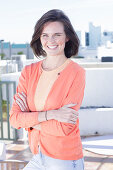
{"x": 51, "y": 39}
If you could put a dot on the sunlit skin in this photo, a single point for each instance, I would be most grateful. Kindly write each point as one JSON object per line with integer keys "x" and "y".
{"x": 53, "y": 39}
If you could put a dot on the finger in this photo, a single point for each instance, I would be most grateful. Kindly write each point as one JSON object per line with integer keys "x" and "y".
{"x": 23, "y": 98}
{"x": 24, "y": 94}
{"x": 75, "y": 118}
{"x": 21, "y": 102}
{"x": 72, "y": 122}
{"x": 71, "y": 110}
{"x": 20, "y": 105}
{"x": 34, "y": 126}
{"x": 70, "y": 105}
{"x": 75, "y": 113}
{"x": 37, "y": 127}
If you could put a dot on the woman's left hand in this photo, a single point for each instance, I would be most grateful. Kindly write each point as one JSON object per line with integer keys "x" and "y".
{"x": 22, "y": 102}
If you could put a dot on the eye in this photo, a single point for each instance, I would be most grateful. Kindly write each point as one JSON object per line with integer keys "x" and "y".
{"x": 44, "y": 35}
{"x": 58, "y": 35}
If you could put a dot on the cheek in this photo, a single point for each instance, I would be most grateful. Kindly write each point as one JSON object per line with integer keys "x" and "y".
{"x": 43, "y": 43}
{"x": 61, "y": 42}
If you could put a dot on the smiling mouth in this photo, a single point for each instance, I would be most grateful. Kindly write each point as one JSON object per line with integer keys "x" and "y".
{"x": 52, "y": 47}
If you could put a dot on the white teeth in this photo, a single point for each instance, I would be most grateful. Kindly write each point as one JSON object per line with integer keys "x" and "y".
{"x": 52, "y": 47}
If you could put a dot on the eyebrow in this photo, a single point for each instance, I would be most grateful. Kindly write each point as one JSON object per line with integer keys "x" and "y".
{"x": 54, "y": 33}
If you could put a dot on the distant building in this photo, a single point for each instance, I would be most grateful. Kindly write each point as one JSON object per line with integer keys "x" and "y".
{"x": 94, "y": 36}
{"x": 87, "y": 52}
{"x": 86, "y": 38}
{"x": 81, "y": 36}
{"x": 13, "y": 49}
{"x": 107, "y": 36}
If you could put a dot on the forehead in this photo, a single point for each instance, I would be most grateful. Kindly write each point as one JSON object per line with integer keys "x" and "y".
{"x": 51, "y": 27}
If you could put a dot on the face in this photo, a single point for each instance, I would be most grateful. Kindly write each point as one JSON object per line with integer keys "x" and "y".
{"x": 53, "y": 38}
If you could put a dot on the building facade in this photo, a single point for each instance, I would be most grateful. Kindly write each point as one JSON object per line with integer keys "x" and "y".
{"x": 94, "y": 36}
{"x": 9, "y": 49}
{"x": 107, "y": 36}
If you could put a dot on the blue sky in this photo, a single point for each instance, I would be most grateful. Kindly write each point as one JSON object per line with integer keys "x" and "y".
{"x": 18, "y": 17}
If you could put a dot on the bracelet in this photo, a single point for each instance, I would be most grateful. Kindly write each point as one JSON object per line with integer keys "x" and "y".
{"x": 46, "y": 115}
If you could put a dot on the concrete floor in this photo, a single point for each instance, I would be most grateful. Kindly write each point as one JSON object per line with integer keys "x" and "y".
{"x": 20, "y": 151}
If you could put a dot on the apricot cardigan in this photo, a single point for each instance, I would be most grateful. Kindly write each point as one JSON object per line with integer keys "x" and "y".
{"x": 45, "y": 83}
{"x": 57, "y": 139}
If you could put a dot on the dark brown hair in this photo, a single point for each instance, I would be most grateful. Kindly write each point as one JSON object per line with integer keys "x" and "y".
{"x": 71, "y": 46}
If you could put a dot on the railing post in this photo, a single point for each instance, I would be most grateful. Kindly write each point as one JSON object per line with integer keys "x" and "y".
{"x": 14, "y": 91}
{"x": 9, "y": 100}
{"x": 7, "y": 97}
{"x": 1, "y": 119}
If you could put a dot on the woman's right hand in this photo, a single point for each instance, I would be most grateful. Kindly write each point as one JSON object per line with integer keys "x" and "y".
{"x": 66, "y": 114}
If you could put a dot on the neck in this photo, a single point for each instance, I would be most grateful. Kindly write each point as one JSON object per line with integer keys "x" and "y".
{"x": 52, "y": 62}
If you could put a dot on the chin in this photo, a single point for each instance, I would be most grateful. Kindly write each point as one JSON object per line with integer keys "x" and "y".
{"x": 55, "y": 54}
{"x": 51, "y": 53}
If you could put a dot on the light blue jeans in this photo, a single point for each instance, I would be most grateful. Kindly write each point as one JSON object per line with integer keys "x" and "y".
{"x": 43, "y": 162}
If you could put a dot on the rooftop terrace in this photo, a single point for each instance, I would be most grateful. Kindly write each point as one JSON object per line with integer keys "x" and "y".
{"x": 20, "y": 151}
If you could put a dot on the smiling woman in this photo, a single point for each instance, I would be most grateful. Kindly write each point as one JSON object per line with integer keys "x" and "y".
{"x": 49, "y": 95}
{"x": 62, "y": 28}
{"x": 53, "y": 38}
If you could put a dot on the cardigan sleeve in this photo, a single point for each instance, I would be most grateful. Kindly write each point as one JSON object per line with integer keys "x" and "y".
{"x": 75, "y": 95}
{"x": 19, "y": 119}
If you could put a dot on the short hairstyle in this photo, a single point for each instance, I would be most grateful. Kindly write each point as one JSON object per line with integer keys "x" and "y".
{"x": 71, "y": 46}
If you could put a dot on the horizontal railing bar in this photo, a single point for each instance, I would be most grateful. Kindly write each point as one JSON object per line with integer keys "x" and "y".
{"x": 11, "y": 139}
{"x": 13, "y": 161}
{"x": 5, "y": 82}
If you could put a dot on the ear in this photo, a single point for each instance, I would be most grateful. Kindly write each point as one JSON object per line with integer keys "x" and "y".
{"x": 67, "y": 39}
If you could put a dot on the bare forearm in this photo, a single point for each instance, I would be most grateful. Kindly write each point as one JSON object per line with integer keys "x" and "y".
{"x": 64, "y": 114}
{"x": 42, "y": 116}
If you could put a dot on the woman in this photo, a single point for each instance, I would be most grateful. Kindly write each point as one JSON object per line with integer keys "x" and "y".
{"x": 49, "y": 95}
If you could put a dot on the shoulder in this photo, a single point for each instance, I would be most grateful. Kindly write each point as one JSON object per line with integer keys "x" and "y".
{"x": 77, "y": 68}
{"x": 79, "y": 73}
{"x": 32, "y": 66}
{"x": 29, "y": 69}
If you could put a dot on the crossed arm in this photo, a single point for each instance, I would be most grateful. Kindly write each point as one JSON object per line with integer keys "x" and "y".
{"x": 64, "y": 114}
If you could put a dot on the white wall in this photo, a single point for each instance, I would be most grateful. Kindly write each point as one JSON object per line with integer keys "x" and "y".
{"x": 99, "y": 87}
{"x": 98, "y": 121}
